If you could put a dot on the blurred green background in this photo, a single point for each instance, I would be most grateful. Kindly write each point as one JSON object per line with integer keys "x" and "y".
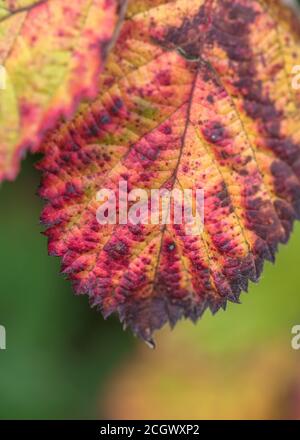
{"x": 59, "y": 351}
{"x": 64, "y": 361}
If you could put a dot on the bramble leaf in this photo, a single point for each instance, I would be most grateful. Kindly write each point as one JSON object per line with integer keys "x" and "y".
{"x": 51, "y": 53}
{"x": 196, "y": 94}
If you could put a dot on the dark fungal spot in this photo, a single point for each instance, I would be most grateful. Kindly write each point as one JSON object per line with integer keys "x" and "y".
{"x": 118, "y": 103}
{"x": 223, "y": 194}
{"x": 136, "y": 230}
{"x": 75, "y": 146}
{"x": 106, "y": 157}
{"x": 243, "y": 172}
{"x": 230, "y": 28}
{"x": 210, "y": 99}
{"x": 171, "y": 247}
{"x": 104, "y": 119}
{"x": 117, "y": 106}
{"x": 117, "y": 249}
{"x": 224, "y": 155}
{"x": 163, "y": 77}
{"x": 213, "y": 132}
{"x": 187, "y": 38}
{"x": 65, "y": 157}
{"x": 167, "y": 129}
{"x": 93, "y": 130}
{"x": 71, "y": 189}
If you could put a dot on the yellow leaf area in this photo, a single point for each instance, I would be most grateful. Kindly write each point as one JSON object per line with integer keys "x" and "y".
{"x": 197, "y": 95}
{"x": 51, "y": 53}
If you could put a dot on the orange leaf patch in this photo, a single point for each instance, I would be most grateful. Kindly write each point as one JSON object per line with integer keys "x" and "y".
{"x": 196, "y": 95}
{"x": 51, "y": 53}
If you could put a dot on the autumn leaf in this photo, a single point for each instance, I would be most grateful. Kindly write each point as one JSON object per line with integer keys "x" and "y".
{"x": 51, "y": 53}
{"x": 196, "y": 95}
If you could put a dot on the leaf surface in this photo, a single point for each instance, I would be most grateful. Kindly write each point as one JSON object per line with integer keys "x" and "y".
{"x": 52, "y": 52}
{"x": 197, "y": 94}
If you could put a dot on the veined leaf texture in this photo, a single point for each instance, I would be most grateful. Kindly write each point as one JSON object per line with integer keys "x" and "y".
{"x": 197, "y": 94}
{"x": 51, "y": 54}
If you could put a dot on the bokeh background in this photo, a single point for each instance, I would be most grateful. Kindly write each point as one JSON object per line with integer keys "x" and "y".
{"x": 64, "y": 361}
